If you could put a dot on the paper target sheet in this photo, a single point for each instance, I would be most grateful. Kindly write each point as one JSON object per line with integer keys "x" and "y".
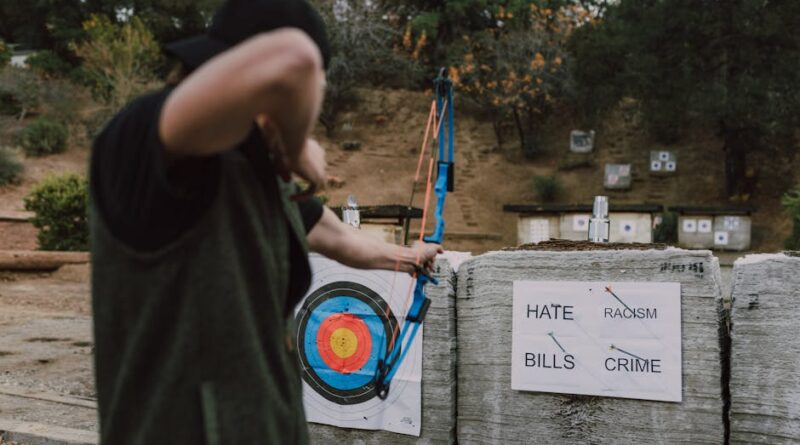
{"x": 608, "y": 339}
{"x": 345, "y": 324}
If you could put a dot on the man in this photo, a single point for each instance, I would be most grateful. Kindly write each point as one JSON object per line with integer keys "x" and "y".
{"x": 199, "y": 244}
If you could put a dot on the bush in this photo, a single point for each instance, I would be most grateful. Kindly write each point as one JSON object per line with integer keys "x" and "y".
{"x": 10, "y": 167}
{"x": 547, "y": 187}
{"x": 61, "y": 207}
{"x": 20, "y": 92}
{"x": 120, "y": 61}
{"x": 48, "y": 64}
{"x": 791, "y": 202}
{"x": 5, "y": 53}
{"x": 667, "y": 231}
{"x": 44, "y": 136}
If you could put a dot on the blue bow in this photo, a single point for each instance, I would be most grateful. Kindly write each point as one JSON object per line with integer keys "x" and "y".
{"x": 388, "y": 366}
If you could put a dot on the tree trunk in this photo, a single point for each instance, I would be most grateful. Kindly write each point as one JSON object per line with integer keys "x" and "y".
{"x": 497, "y": 126}
{"x": 520, "y": 128}
{"x": 736, "y": 147}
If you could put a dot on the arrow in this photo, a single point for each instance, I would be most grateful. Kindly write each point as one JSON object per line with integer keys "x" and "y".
{"x": 627, "y": 353}
{"x": 608, "y": 289}
{"x": 554, "y": 339}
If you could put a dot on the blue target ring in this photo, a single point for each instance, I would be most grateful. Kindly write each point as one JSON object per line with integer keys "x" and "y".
{"x": 343, "y": 298}
{"x": 339, "y": 305}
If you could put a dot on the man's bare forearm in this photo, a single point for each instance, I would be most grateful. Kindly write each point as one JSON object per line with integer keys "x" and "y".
{"x": 351, "y": 247}
{"x": 277, "y": 73}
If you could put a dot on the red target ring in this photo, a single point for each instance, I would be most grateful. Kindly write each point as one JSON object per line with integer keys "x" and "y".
{"x": 344, "y": 342}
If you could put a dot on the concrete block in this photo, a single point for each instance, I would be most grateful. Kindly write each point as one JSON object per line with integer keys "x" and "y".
{"x": 765, "y": 350}
{"x": 490, "y": 412}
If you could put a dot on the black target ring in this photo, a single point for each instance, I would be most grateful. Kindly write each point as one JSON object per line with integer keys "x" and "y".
{"x": 306, "y": 338}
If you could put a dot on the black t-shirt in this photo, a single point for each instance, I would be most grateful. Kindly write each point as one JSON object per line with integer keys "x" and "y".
{"x": 147, "y": 203}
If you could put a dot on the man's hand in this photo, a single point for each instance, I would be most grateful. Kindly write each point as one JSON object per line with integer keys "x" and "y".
{"x": 310, "y": 165}
{"x": 425, "y": 254}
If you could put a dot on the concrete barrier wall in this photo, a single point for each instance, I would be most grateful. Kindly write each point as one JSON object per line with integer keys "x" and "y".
{"x": 490, "y": 412}
{"x": 765, "y": 350}
{"x": 438, "y": 377}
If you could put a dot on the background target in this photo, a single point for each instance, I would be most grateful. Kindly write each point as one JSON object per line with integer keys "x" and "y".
{"x": 343, "y": 326}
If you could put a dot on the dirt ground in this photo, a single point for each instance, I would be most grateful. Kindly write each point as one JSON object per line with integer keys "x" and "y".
{"x": 46, "y": 348}
{"x": 389, "y": 125}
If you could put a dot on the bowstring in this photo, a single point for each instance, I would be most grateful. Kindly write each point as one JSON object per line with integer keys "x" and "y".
{"x": 431, "y": 123}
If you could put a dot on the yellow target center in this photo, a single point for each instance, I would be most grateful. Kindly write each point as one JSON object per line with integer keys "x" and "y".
{"x": 344, "y": 343}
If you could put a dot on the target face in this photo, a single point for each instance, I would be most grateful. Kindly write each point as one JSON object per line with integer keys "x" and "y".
{"x": 344, "y": 328}
{"x": 345, "y": 325}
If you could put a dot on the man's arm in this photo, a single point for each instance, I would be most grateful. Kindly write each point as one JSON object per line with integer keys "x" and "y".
{"x": 278, "y": 73}
{"x": 347, "y": 245}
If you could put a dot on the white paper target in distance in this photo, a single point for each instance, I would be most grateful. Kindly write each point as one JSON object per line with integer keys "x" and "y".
{"x": 721, "y": 238}
{"x": 580, "y": 223}
{"x": 671, "y": 166}
{"x": 663, "y": 156}
{"x": 704, "y": 225}
{"x": 689, "y": 225}
{"x": 655, "y": 166}
{"x": 627, "y": 227}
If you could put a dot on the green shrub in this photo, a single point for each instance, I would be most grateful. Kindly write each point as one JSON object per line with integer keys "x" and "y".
{"x": 10, "y": 167}
{"x": 667, "y": 231}
{"x": 20, "y": 92}
{"x": 48, "y": 64}
{"x": 547, "y": 187}
{"x": 791, "y": 202}
{"x": 61, "y": 207}
{"x": 44, "y": 136}
{"x": 5, "y": 53}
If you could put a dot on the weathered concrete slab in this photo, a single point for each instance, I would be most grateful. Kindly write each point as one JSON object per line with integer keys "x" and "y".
{"x": 438, "y": 376}
{"x": 765, "y": 350}
{"x": 490, "y": 412}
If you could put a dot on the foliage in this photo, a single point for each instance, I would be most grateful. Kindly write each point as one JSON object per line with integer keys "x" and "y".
{"x": 44, "y": 136}
{"x": 120, "y": 61}
{"x": 731, "y": 65}
{"x": 791, "y": 202}
{"x": 10, "y": 167}
{"x": 20, "y": 91}
{"x": 48, "y": 64}
{"x": 55, "y": 24}
{"x": 547, "y": 187}
{"x": 5, "y": 53}
{"x": 361, "y": 43}
{"x": 516, "y": 67}
{"x": 61, "y": 208}
{"x": 667, "y": 231}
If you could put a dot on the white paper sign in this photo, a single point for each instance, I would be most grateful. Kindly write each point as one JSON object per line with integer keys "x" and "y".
{"x": 597, "y": 338}
{"x": 343, "y": 328}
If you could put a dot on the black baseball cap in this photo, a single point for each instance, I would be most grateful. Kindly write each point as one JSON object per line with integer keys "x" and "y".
{"x": 238, "y": 20}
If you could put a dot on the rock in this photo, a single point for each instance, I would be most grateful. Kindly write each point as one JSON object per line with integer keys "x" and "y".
{"x": 351, "y": 145}
{"x": 765, "y": 350}
{"x": 489, "y": 412}
{"x": 438, "y": 376}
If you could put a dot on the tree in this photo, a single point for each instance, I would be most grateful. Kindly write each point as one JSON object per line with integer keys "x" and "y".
{"x": 362, "y": 55}
{"x": 729, "y": 64}
{"x": 120, "y": 61}
{"x": 517, "y": 67}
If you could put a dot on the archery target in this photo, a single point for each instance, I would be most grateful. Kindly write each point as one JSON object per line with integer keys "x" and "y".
{"x": 704, "y": 225}
{"x": 580, "y": 223}
{"x": 627, "y": 227}
{"x": 345, "y": 325}
{"x": 655, "y": 166}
